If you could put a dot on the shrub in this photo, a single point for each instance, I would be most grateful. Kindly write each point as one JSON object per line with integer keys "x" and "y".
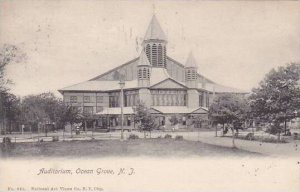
{"x": 7, "y": 145}
{"x": 6, "y": 140}
{"x": 273, "y": 140}
{"x": 133, "y": 136}
{"x": 55, "y": 138}
{"x": 295, "y": 135}
{"x": 179, "y": 137}
{"x": 167, "y": 136}
{"x": 288, "y": 133}
{"x": 250, "y": 136}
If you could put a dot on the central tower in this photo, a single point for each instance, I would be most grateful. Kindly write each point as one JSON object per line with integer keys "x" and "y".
{"x": 154, "y": 44}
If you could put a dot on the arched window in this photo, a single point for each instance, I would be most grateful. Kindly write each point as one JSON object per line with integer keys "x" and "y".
{"x": 140, "y": 74}
{"x": 193, "y": 75}
{"x": 188, "y": 75}
{"x": 148, "y": 73}
{"x": 165, "y": 58}
{"x": 144, "y": 73}
{"x": 148, "y": 52}
{"x": 160, "y": 56}
{"x": 154, "y": 55}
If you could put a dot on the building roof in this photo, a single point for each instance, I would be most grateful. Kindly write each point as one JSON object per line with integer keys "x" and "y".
{"x": 158, "y": 74}
{"x": 179, "y": 109}
{"x": 191, "y": 62}
{"x": 154, "y": 31}
{"x": 221, "y": 88}
{"x": 99, "y": 86}
{"x": 143, "y": 59}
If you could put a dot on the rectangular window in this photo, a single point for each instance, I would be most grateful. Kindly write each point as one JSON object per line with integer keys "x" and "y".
{"x": 99, "y": 99}
{"x": 88, "y": 110}
{"x": 99, "y": 109}
{"x": 87, "y": 99}
{"x": 207, "y": 100}
{"x": 73, "y": 99}
{"x": 200, "y": 101}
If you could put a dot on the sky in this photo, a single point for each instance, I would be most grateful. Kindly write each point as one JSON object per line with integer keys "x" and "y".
{"x": 235, "y": 43}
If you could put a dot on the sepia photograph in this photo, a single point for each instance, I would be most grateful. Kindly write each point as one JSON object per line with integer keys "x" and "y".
{"x": 149, "y": 95}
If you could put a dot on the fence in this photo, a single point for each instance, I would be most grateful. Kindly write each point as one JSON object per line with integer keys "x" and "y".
{"x": 51, "y": 137}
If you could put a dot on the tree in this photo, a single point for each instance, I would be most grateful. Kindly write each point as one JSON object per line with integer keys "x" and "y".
{"x": 277, "y": 99}
{"x": 229, "y": 109}
{"x": 70, "y": 114}
{"x": 11, "y": 105}
{"x": 145, "y": 119}
{"x": 47, "y": 108}
{"x": 8, "y": 54}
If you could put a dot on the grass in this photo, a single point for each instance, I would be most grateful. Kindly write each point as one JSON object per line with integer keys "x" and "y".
{"x": 131, "y": 148}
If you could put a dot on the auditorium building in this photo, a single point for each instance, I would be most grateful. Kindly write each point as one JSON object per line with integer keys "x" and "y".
{"x": 165, "y": 86}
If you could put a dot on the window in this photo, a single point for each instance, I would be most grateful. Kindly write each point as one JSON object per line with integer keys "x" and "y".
{"x": 144, "y": 73}
{"x": 87, "y": 99}
{"x": 73, "y": 99}
{"x": 200, "y": 100}
{"x": 148, "y": 48}
{"x": 88, "y": 110}
{"x": 154, "y": 55}
{"x": 148, "y": 73}
{"x": 165, "y": 58}
{"x": 99, "y": 109}
{"x": 99, "y": 99}
{"x": 168, "y": 98}
{"x": 188, "y": 75}
{"x": 140, "y": 73}
{"x": 114, "y": 100}
{"x": 207, "y": 100}
{"x": 160, "y": 56}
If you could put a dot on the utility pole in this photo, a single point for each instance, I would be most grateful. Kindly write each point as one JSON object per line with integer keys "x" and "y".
{"x": 122, "y": 85}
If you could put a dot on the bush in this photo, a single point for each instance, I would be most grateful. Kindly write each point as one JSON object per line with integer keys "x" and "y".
{"x": 167, "y": 136}
{"x": 133, "y": 136}
{"x": 250, "y": 136}
{"x": 295, "y": 135}
{"x": 273, "y": 140}
{"x": 6, "y": 140}
{"x": 179, "y": 137}
{"x": 7, "y": 145}
{"x": 274, "y": 129}
{"x": 55, "y": 138}
{"x": 288, "y": 133}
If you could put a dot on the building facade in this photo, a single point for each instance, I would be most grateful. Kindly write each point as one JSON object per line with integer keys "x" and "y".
{"x": 167, "y": 87}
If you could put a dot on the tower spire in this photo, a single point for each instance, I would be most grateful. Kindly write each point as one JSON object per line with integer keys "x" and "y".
{"x": 154, "y": 31}
{"x": 191, "y": 62}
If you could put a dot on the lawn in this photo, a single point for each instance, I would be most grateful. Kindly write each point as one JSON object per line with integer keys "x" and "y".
{"x": 129, "y": 148}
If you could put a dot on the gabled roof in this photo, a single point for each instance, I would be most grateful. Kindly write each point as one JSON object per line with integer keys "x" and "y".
{"x": 169, "y": 83}
{"x": 191, "y": 62}
{"x": 143, "y": 59}
{"x": 158, "y": 74}
{"x": 179, "y": 109}
{"x": 154, "y": 31}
